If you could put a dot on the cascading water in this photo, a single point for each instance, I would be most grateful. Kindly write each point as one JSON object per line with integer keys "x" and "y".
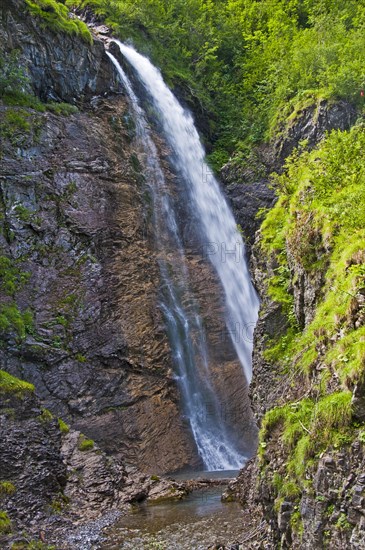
{"x": 180, "y": 307}
{"x": 224, "y": 244}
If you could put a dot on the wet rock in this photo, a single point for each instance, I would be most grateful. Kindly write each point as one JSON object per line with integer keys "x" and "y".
{"x": 248, "y": 189}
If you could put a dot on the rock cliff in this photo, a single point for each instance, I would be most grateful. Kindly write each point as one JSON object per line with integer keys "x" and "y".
{"x": 75, "y": 221}
{"x": 328, "y": 512}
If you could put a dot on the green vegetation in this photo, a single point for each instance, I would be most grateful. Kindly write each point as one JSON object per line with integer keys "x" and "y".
{"x": 243, "y": 61}
{"x": 85, "y": 444}
{"x": 11, "y": 385}
{"x": 296, "y": 522}
{"x": 15, "y": 91}
{"x": 12, "y": 76}
{"x": 46, "y": 416}
{"x": 319, "y": 223}
{"x": 64, "y": 428}
{"x": 5, "y": 523}
{"x": 306, "y": 429}
{"x": 6, "y": 488}
{"x": 56, "y": 16}
{"x": 247, "y": 61}
{"x": 15, "y": 126}
{"x": 12, "y": 319}
{"x": 63, "y": 109}
{"x": 59, "y": 504}
{"x": 320, "y": 217}
{"x": 343, "y": 523}
{"x": 11, "y": 277}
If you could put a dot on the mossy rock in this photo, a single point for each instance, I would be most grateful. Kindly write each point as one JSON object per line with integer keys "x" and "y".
{"x": 64, "y": 428}
{"x": 85, "y": 444}
{"x": 6, "y": 488}
{"x": 13, "y": 386}
{"x": 5, "y": 523}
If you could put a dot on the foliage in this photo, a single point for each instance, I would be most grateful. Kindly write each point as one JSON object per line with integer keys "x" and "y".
{"x": 12, "y": 75}
{"x": 11, "y": 277}
{"x": 13, "y": 319}
{"x": 320, "y": 217}
{"x": 246, "y": 60}
{"x": 15, "y": 125}
{"x": 319, "y": 223}
{"x": 46, "y": 416}
{"x": 343, "y": 523}
{"x": 64, "y": 109}
{"x": 15, "y": 91}
{"x": 306, "y": 428}
{"x": 56, "y": 16}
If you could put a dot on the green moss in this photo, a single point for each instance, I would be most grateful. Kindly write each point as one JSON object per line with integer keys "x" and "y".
{"x": 306, "y": 428}
{"x": 15, "y": 126}
{"x": 11, "y": 385}
{"x": 155, "y": 478}
{"x": 296, "y": 522}
{"x": 46, "y": 416}
{"x": 61, "y": 320}
{"x": 12, "y": 319}
{"x": 5, "y": 523}
{"x": 23, "y": 213}
{"x": 62, "y": 109}
{"x": 64, "y": 428}
{"x": 80, "y": 358}
{"x": 11, "y": 277}
{"x": 56, "y": 16}
{"x": 6, "y": 488}
{"x": 59, "y": 504}
{"x": 85, "y": 444}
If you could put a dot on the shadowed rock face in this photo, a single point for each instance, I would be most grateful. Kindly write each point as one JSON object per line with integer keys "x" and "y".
{"x": 61, "y": 66}
{"x": 98, "y": 353}
{"x": 29, "y": 456}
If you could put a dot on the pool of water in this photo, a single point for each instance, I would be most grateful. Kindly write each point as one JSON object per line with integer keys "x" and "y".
{"x": 194, "y": 523}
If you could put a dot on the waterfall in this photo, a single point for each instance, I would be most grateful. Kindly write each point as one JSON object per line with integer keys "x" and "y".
{"x": 223, "y": 246}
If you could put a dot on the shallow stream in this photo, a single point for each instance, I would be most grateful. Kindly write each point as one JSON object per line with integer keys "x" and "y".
{"x": 194, "y": 523}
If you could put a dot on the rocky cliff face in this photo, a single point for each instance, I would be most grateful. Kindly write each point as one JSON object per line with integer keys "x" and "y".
{"x": 329, "y": 513}
{"x": 79, "y": 315}
{"x": 62, "y": 67}
{"x": 75, "y": 221}
{"x": 57, "y": 486}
